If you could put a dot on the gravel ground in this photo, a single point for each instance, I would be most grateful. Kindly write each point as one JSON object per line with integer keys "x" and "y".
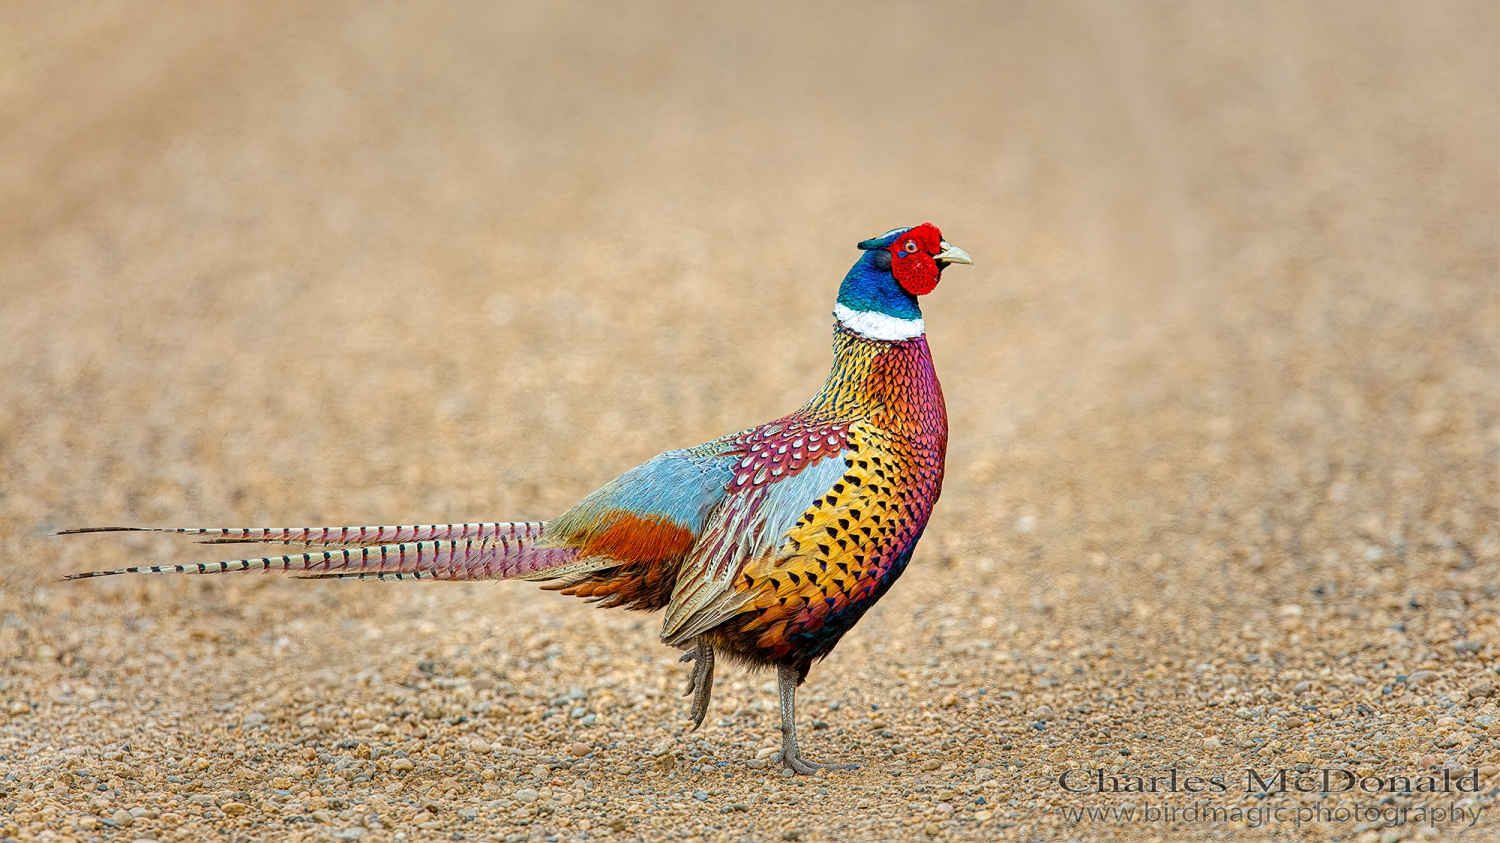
{"x": 1223, "y": 477}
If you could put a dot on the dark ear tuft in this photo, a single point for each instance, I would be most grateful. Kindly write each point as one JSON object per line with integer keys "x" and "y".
{"x": 883, "y": 240}
{"x": 882, "y": 260}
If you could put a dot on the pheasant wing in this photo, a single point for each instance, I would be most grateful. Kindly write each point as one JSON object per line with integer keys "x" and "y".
{"x": 780, "y": 470}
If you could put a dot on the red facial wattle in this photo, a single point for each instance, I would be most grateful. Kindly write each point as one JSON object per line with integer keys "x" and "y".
{"x": 912, "y": 261}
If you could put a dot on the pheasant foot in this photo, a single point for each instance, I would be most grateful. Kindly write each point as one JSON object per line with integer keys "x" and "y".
{"x": 789, "y": 756}
{"x": 701, "y": 684}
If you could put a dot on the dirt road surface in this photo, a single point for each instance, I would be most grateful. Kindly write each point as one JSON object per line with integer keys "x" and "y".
{"x": 1222, "y": 484}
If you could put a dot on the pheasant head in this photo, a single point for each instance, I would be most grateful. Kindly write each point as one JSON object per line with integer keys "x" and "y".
{"x": 879, "y": 295}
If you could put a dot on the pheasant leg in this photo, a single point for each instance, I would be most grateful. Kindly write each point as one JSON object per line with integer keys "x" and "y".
{"x": 789, "y": 756}
{"x": 701, "y": 685}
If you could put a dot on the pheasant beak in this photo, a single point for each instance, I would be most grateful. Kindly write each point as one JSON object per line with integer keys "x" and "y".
{"x": 952, "y": 254}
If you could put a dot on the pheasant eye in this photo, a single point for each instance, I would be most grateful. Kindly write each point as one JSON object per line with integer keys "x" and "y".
{"x": 911, "y": 245}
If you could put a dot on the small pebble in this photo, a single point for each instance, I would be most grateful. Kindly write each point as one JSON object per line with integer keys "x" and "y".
{"x": 526, "y": 795}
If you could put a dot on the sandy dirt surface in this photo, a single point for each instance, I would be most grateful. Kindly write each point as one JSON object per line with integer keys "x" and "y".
{"x": 1222, "y": 482}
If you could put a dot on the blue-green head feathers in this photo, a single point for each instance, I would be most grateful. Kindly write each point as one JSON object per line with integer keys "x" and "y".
{"x": 870, "y": 286}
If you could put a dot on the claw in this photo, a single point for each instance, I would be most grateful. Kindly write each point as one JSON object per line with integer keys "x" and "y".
{"x": 797, "y": 764}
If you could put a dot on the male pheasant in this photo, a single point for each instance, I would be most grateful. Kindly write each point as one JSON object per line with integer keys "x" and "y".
{"x": 766, "y": 545}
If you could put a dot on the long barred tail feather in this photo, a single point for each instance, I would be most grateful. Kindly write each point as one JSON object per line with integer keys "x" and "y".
{"x": 339, "y": 536}
{"x": 504, "y": 551}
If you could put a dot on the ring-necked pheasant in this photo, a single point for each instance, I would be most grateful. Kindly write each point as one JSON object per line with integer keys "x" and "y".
{"x": 766, "y": 545}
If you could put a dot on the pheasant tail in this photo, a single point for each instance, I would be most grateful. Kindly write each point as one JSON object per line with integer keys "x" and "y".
{"x": 480, "y": 551}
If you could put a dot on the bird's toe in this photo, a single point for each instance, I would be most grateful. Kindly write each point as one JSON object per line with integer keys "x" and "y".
{"x": 801, "y": 766}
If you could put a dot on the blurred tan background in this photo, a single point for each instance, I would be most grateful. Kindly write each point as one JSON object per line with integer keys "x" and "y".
{"x": 1230, "y": 344}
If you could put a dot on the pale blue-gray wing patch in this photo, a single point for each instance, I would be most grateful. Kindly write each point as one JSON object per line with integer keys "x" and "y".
{"x": 683, "y": 485}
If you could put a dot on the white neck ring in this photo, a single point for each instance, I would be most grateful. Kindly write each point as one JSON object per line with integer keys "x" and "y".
{"x": 878, "y": 326}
